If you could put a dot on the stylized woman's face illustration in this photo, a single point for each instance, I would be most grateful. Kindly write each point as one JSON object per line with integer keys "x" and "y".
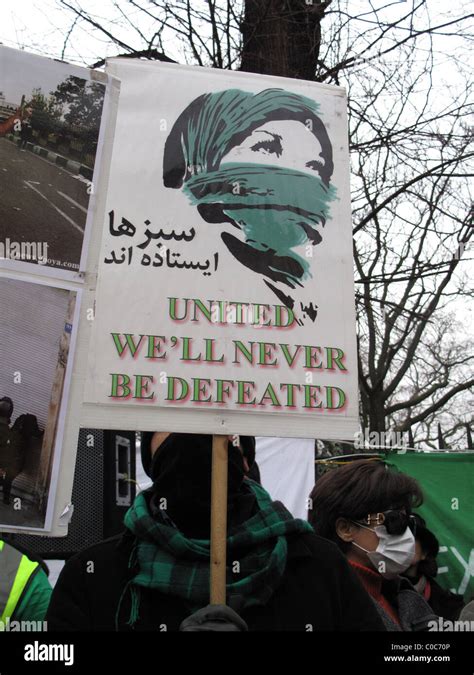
{"x": 262, "y": 163}
{"x": 274, "y": 143}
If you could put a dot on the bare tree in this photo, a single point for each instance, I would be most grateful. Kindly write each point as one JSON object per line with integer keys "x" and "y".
{"x": 444, "y": 357}
{"x": 405, "y": 68}
{"x": 204, "y": 32}
{"x": 412, "y": 212}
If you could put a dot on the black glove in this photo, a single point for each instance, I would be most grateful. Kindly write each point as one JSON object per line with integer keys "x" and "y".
{"x": 214, "y": 618}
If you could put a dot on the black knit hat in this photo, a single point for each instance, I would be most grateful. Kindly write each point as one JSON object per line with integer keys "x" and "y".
{"x": 247, "y": 443}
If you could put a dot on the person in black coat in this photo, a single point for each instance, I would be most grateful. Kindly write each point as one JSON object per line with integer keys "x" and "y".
{"x": 14, "y": 442}
{"x": 280, "y": 575}
{"x": 423, "y": 571}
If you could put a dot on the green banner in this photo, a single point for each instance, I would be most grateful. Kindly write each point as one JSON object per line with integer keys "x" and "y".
{"x": 447, "y": 480}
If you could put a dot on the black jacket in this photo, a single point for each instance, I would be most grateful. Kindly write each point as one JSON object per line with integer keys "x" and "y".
{"x": 319, "y": 592}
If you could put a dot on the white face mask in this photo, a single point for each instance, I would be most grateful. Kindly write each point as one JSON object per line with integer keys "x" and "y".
{"x": 394, "y": 553}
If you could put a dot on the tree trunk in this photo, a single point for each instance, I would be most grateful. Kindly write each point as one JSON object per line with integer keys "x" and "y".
{"x": 372, "y": 414}
{"x": 376, "y": 412}
{"x": 282, "y": 37}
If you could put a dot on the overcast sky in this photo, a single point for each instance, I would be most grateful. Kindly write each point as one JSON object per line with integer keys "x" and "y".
{"x": 40, "y": 26}
{"x": 20, "y": 73}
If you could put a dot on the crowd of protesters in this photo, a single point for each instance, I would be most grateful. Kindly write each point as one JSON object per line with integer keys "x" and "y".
{"x": 363, "y": 561}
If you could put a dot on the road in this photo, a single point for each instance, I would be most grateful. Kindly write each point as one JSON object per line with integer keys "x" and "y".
{"x": 41, "y": 202}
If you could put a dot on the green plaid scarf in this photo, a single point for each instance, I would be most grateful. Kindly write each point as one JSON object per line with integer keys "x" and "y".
{"x": 176, "y": 565}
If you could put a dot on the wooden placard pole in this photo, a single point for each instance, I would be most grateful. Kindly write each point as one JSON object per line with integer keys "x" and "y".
{"x": 219, "y": 520}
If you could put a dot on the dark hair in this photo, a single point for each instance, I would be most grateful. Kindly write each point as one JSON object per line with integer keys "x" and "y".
{"x": 6, "y": 407}
{"x": 428, "y": 540}
{"x": 27, "y": 425}
{"x": 356, "y": 489}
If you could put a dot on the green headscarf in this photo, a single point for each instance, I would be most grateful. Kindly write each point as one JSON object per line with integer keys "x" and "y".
{"x": 276, "y": 208}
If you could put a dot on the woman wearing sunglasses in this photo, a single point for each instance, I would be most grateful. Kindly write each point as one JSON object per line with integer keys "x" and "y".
{"x": 365, "y": 507}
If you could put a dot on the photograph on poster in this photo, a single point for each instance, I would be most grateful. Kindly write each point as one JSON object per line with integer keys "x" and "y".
{"x": 35, "y": 335}
{"x": 50, "y": 115}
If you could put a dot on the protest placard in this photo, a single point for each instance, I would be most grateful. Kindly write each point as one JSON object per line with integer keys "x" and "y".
{"x": 225, "y": 298}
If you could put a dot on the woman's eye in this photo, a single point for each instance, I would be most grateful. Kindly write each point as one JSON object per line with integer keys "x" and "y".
{"x": 271, "y": 146}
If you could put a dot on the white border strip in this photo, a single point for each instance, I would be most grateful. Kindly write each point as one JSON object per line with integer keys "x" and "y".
{"x": 59, "y": 438}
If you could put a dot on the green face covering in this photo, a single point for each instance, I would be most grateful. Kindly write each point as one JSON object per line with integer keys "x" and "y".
{"x": 276, "y": 208}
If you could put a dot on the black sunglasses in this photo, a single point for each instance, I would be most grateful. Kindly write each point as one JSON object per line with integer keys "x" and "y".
{"x": 395, "y": 522}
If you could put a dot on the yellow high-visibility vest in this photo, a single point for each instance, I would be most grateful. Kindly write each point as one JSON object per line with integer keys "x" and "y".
{"x": 16, "y": 570}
